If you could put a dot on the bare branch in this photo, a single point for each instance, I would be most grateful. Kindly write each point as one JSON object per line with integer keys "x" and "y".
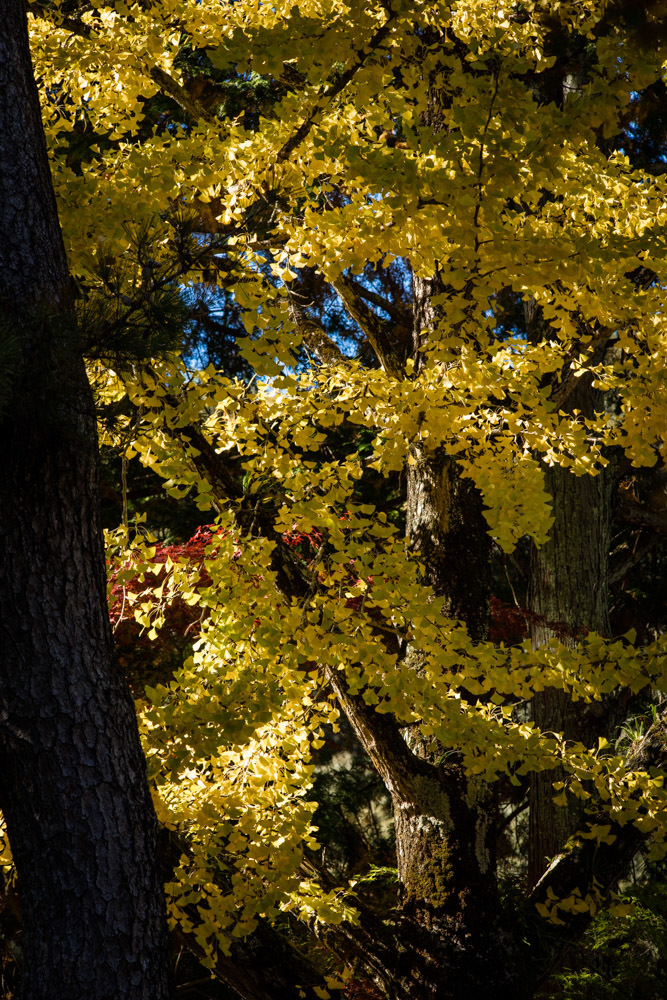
{"x": 401, "y": 315}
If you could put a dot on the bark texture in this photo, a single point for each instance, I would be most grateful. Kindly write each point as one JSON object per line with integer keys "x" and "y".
{"x": 73, "y": 786}
{"x": 568, "y": 597}
{"x": 449, "y": 937}
{"x": 445, "y": 523}
{"x": 446, "y": 529}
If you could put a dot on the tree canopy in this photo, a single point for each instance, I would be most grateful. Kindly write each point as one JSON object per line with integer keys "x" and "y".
{"x": 378, "y": 289}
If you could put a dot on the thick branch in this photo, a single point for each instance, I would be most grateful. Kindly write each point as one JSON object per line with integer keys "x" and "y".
{"x": 633, "y": 512}
{"x": 262, "y": 966}
{"x": 217, "y": 468}
{"x": 570, "y": 378}
{"x": 170, "y": 86}
{"x": 381, "y": 738}
{"x": 623, "y": 565}
{"x": 378, "y": 733}
{"x": 401, "y": 314}
{"x": 224, "y": 473}
{"x": 315, "y": 336}
{"x": 376, "y": 330}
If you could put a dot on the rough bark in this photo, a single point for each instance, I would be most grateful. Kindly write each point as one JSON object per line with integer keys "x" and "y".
{"x": 445, "y": 523}
{"x": 446, "y": 528}
{"x": 448, "y": 918}
{"x": 73, "y": 786}
{"x": 446, "y": 937}
{"x": 569, "y": 574}
{"x": 568, "y": 597}
{"x": 387, "y": 339}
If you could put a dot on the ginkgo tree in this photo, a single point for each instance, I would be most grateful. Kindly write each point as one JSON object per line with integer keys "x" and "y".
{"x": 425, "y": 167}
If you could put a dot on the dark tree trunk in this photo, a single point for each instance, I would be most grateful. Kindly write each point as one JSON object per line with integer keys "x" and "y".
{"x": 446, "y": 528}
{"x": 445, "y": 521}
{"x": 568, "y": 597}
{"x": 449, "y": 910}
{"x": 72, "y": 775}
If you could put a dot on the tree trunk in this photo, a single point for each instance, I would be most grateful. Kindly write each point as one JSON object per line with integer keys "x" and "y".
{"x": 445, "y": 521}
{"x": 446, "y": 528}
{"x": 73, "y": 785}
{"x": 449, "y": 909}
{"x": 568, "y": 598}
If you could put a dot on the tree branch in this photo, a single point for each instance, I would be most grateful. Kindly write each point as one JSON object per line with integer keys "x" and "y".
{"x": 633, "y": 512}
{"x": 376, "y": 330}
{"x": 328, "y": 93}
{"x": 314, "y": 335}
{"x": 623, "y": 566}
{"x": 223, "y": 472}
{"x": 217, "y": 469}
{"x": 263, "y": 966}
{"x": 170, "y": 86}
{"x": 570, "y": 377}
{"x": 368, "y": 945}
{"x": 382, "y": 739}
{"x": 164, "y": 81}
{"x": 401, "y": 315}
